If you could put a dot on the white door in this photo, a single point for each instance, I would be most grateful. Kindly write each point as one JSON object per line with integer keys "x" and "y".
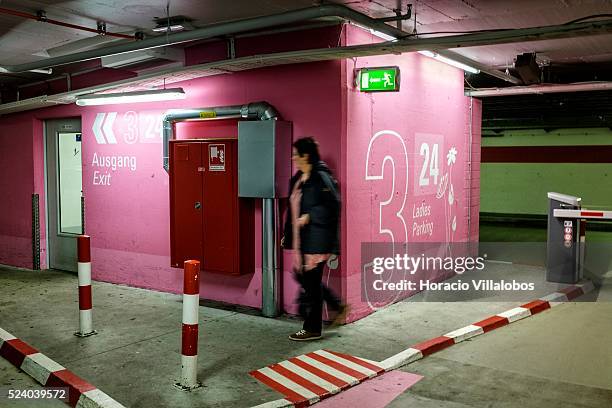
{"x": 64, "y": 191}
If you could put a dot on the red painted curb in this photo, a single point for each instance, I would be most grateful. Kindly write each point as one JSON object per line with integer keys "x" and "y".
{"x": 17, "y": 351}
{"x": 536, "y": 306}
{"x": 433, "y": 345}
{"x": 76, "y": 385}
{"x": 492, "y": 323}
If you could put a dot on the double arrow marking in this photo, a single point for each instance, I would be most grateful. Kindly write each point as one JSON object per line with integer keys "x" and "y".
{"x": 100, "y": 130}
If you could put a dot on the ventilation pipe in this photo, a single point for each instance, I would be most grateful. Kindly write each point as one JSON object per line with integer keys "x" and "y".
{"x": 540, "y": 89}
{"x": 251, "y": 111}
{"x": 270, "y": 282}
{"x": 216, "y": 30}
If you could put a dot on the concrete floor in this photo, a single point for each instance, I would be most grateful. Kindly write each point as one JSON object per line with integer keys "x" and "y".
{"x": 558, "y": 358}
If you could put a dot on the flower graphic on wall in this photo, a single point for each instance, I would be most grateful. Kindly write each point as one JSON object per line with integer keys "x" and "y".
{"x": 451, "y": 157}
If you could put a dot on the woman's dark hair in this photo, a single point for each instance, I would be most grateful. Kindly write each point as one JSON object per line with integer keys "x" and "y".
{"x": 307, "y": 145}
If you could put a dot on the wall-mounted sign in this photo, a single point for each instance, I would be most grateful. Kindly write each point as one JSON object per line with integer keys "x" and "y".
{"x": 380, "y": 79}
{"x": 216, "y": 157}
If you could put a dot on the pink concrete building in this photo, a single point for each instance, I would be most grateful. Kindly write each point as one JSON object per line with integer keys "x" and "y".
{"x": 407, "y": 164}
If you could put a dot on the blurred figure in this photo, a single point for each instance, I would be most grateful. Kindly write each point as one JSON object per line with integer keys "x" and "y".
{"x": 311, "y": 230}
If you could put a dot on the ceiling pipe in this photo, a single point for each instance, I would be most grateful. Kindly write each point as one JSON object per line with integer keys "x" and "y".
{"x": 482, "y": 67}
{"x": 41, "y": 16}
{"x": 402, "y": 45}
{"x": 540, "y": 89}
{"x": 249, "y": 25}
{"x": 216, "y": 30}
{"x": 253, "y": 111}
{"x": 46, "y": 71}
{"x": 335, "y": 10}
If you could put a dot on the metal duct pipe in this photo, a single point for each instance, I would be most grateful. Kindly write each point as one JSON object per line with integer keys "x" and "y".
{"x": 270, "y": 273}
{"x": 253, "y": 111}
{"x": 41, "y": 16}
{"x": 540, "y": 89}
{"x": 216, "y": 30}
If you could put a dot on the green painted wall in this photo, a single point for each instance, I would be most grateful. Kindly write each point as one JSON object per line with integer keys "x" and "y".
{"x": 520, "y": 188}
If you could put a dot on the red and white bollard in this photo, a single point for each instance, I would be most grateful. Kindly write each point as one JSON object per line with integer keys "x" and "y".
{"x": 84, "y": 272}
{"x": 191, "y": 303}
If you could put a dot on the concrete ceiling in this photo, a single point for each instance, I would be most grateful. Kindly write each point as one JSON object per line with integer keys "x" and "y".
{"x": 23, "y": 40}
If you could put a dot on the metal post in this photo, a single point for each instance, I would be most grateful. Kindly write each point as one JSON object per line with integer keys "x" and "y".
{"x": 85, "y": 302}
{"x": 82, "y": 214}
{"x": 189, "y": 346}
{"x": 35, "y": 233}
{"x": 270, "y": 296}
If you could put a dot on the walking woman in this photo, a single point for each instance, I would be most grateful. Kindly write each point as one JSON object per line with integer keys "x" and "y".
{"x": 311, "y": 230}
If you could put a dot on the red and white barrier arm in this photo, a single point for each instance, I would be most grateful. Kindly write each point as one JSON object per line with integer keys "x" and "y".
{"x": 84, "y": 272}
{"x": 584, "y": 213}
{"x": 191, "y": 303}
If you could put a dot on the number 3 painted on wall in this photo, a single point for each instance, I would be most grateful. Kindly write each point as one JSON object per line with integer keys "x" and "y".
{"x": 388, "y": 146}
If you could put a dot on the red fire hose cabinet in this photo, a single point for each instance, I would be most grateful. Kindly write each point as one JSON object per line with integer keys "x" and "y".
{"x": 208, "y": 221}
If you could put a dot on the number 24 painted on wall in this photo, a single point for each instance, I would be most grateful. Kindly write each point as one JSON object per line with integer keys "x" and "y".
{"x": 388, "y": 146}
{"x": 434, "y": 170}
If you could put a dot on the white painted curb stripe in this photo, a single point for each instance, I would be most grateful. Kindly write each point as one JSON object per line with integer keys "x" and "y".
{"x": 295, "y": 387}
{"x": 515, "y": 314}
{"x": 190, "y": 308}
{"x": 359, "y": 368}
{"x": 279, "y": 403}
{"x": 97, "y": 399}
{"x": 586, "y": 287}
{"x": 5, "y": 336}
{"x": 398, "y": 360}
{"x": 84, "y": 272}
{"x": 307, "y": 375}
{"x": 555, "y": 298}
{"x": 39, "y": 367}
{"x": 464, "y": 333}
{"x": 329, "y": 370}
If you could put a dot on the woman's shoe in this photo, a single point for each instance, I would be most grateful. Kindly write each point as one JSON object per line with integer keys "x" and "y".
{"x": 304, "y": 335}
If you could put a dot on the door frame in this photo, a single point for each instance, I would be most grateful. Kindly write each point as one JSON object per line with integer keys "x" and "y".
{"x": 48, "y": 207}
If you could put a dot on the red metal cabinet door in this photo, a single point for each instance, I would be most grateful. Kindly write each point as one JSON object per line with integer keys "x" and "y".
{"x": 220, "y": 206}
{"x": 186, "y": 202}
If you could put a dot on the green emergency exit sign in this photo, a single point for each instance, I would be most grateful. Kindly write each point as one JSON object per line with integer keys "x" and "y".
{"x": 381, "y": 79}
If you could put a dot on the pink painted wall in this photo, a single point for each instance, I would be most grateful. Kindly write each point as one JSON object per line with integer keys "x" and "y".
{"x": 385, "y": 169}
{"x": 17, "y": 186}
{"x": 127, "y": 214}
{"x": 128, "y": 219}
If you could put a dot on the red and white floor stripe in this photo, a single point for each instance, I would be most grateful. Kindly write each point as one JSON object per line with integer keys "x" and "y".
{"x": 317, "y": 376}
{"x": 306, "y": 379}
{"x": 425, "y": 348}
{"x": 51, "y": 374}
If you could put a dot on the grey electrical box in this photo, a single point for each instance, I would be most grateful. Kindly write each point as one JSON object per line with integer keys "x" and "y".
{"x": 264, "y": 158}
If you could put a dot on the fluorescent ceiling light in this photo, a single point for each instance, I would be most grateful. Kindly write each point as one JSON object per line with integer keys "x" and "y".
{"x": 384, "y": 36}
{"x": 132, "y": 97}
{"x": 171, "y": 28}
{"x": 449, "y": 61}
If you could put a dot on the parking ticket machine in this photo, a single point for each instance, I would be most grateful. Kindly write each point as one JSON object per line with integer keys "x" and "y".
{"x": 565, "y": 242}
